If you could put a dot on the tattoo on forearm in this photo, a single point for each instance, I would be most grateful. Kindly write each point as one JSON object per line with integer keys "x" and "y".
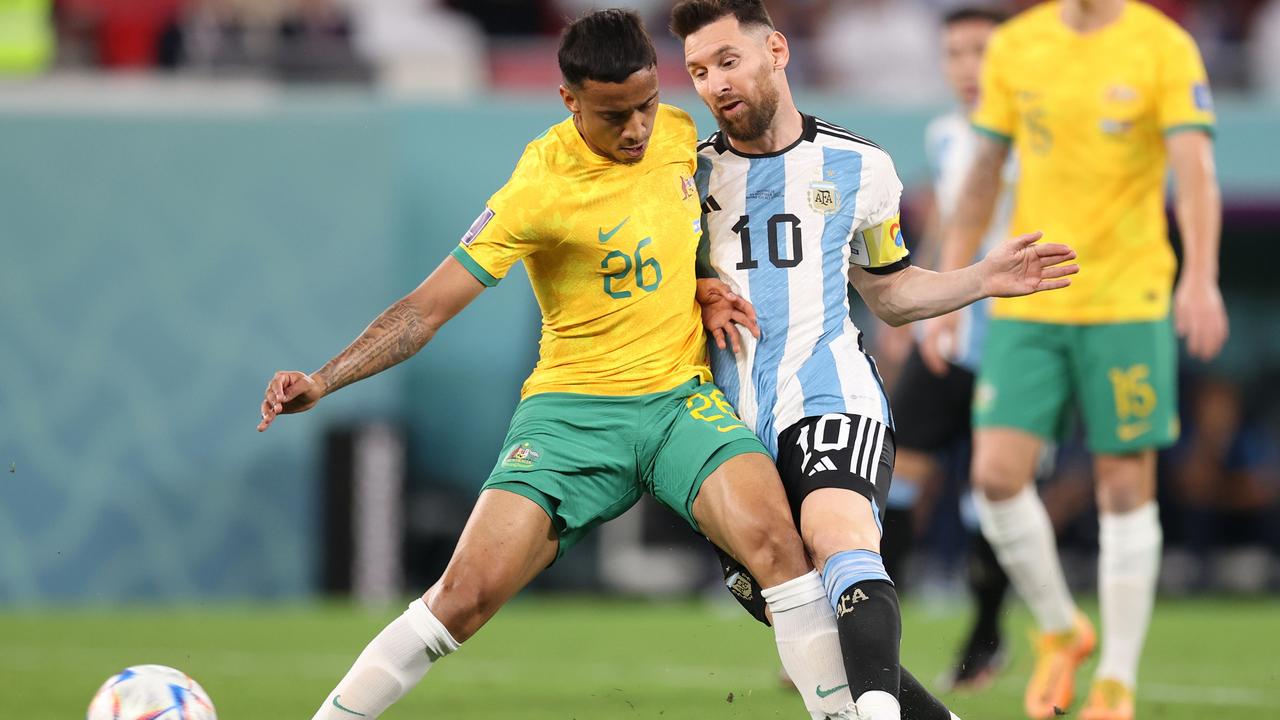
{"x": 394, "y": 336}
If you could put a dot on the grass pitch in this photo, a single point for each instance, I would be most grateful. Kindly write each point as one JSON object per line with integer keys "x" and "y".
{"x": 585, "y": 659}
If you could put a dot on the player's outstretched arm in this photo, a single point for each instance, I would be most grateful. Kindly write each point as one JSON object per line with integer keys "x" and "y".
{"x": 1199, "y": 313}
{"x": 1020, "y": 266}
{"x": 394, "y": 336}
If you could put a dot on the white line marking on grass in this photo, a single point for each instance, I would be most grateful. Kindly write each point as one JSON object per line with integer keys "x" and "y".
{"x": 1209, "y": 695}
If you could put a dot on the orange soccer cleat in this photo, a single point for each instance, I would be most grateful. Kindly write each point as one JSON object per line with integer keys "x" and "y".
{"x": 1058, "y": 656}
{"x": 1109, "y": 700}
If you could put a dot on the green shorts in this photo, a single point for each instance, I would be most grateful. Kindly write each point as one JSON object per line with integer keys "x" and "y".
{"x": 586, "y": 459}
{"x": 1124, "y": 376}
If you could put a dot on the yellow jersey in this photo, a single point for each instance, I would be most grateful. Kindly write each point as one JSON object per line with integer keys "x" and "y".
{"x": 610, "y": 250}
{"x": 1087, "y": 115}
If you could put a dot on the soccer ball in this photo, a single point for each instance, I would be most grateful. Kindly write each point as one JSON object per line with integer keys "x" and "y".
{"x": 151, "y": 692}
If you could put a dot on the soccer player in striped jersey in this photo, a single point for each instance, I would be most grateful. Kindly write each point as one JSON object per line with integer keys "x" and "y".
{"x": 795, "y": 209}
{"x": 1098, "y": 98}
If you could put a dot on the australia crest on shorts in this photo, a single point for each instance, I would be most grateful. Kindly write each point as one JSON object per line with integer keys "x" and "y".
{"x": 522, "y": 455}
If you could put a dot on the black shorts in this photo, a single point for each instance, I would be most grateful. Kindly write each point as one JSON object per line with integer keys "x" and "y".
{"x": 850, "y": 452}
{"x": 931, "y": 412}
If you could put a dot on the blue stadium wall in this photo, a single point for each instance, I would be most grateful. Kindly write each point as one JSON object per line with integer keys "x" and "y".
{"x": 156, "y": 268}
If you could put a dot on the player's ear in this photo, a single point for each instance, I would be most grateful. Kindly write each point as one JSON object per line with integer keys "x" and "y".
{"x": 570, "y": 101}
{"x": 776, "y": 44}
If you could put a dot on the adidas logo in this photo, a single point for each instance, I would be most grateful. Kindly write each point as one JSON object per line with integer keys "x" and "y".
{"x": 822, "y": 466}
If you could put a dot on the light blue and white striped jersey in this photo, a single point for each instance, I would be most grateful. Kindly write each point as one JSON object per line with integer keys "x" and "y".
{"x": 784, "y": 230}
{"x": 951, "y": 144}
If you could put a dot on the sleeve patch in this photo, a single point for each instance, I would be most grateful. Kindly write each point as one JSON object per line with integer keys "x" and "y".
{"x": 477, "y": 227}
{"x": 1202, "y": 97}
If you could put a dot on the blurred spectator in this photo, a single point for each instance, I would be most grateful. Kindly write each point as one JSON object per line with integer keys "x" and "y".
{"x": 1264, "y": 49}
{"x": 314, "y": 44}
{"x": 514, "y": 17}
{"x": 122, "y": 34}
{"x": 421, "y": 48}
{"x": 26, "y": 36}
{"x": 215, "y": 36}
{"x": 656, "y": 14}
{"x": 881, "y": 50}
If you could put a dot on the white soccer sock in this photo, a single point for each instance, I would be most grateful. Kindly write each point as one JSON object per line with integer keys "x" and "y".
{"x": 804, "y": 626}
{"x": 1128, "y": 567}
{"x": 1022, "y": 536}
{"x": 393, "y": 662}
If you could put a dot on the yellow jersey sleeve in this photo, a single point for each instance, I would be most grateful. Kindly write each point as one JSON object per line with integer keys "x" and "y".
{"x": 995, "y": 114}
{"x": 511, "y": 226}
{"x": 1184, "y": 101}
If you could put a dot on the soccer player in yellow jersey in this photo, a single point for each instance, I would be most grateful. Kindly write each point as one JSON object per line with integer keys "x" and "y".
{"x": 1097, "y": 98}
{"x": 605, "y": 214}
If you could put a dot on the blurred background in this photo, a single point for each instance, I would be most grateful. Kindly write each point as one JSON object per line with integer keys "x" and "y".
{"x": 196, "y": 193}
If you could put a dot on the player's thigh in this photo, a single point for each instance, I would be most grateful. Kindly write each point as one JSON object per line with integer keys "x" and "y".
{"x": 837, "y": 470}
{"x": 1127, "y": 375}
{"x": 1025, "y": 380}
{"x": 741, "y": 508}
{"x": 693, "y": 433}
{"x": 507, "y": 541}
{"x": 713, "y": 471}
{"x": 1022, "y": 399}
{"x": 929, "y": 411}
{"x": 568, "y": 454}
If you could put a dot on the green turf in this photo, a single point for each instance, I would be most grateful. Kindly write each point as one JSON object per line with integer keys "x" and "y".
{"x": 585, "y": 659}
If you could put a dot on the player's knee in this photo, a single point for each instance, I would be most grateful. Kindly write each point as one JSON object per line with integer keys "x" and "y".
{"x": 462, "y": 604}
{"x": 773, "y": 552}
{"x": 825, "y": 541}
{"x": 1124, "y": 483}
{"x": 996, "y": 478}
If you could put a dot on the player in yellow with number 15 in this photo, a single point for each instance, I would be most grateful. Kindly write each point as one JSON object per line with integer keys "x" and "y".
{"x": 1097, "y": 98}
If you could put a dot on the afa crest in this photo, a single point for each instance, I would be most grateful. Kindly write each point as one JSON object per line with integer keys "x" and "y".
{"x": 824, "y": 197}
{"x": 740, "y": 585}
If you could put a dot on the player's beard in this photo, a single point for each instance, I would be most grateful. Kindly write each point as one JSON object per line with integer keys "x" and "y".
{"x": 758, "y": 118}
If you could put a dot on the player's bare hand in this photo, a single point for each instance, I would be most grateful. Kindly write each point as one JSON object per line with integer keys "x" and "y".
{"x": 1022, "y": 266}
{"x": 289, "y": 392}
{"x": 1201, "y": 317}
{"x": 937, "y": 347}
{"x": 723, "y": 311}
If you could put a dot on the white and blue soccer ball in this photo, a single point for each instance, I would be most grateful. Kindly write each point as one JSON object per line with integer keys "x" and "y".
{"x": 151, "y": 692}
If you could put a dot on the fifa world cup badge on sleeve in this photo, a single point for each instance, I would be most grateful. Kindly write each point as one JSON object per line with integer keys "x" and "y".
{"x": 1202, "y": 96}
{"x": 477, "y": 227}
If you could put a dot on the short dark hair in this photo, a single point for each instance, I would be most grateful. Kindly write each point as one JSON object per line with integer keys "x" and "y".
{"x": 967, "y": 13}
{"x": 605, "y": 46}
{"x": 691, "y": 16}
